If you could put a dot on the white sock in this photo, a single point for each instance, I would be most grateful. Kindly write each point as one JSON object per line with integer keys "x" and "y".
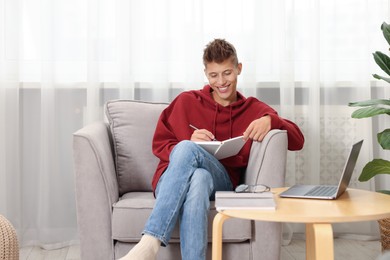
{"x": 146, "y": 249}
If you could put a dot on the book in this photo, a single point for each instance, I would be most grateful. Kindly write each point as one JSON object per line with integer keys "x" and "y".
{"x": 225, "y": 200}
{"x": 223, "y": 149}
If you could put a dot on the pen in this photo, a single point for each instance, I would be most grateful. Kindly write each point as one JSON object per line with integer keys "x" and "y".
{"x": 195, "y": 128}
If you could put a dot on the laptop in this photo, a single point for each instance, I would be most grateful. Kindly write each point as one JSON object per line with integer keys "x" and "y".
{"x": 329, "y": 192}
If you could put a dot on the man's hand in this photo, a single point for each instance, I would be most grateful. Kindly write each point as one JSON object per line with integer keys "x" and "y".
{"x": 202, "y": 135}
{"x": 258, "y": 129}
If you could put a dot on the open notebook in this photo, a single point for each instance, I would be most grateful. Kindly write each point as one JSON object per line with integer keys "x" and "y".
{"x": 224, "y": 149}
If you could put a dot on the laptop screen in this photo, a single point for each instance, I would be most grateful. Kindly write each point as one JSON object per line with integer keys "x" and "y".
{"x": 348, "y": 168}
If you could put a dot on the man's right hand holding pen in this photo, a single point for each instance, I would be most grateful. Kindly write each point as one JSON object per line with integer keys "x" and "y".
{"x": 201, "y": 135}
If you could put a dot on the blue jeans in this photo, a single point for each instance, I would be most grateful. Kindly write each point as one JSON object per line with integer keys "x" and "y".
{"x": 183, "y": 193}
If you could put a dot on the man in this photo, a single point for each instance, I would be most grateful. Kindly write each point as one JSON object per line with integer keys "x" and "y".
{"x": 187, "y": 176}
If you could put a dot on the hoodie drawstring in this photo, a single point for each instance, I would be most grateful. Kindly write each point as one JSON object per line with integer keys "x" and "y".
{"x": 230, "y": 118}
{"x": 215, "y": 119}
{"x": 231, "y": 122}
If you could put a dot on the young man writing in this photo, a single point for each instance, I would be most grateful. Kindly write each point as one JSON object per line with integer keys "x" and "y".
{"x": 187, "y": 176}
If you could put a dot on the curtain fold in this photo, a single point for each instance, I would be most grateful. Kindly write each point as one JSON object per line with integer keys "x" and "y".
{"x": 61, "y": 60}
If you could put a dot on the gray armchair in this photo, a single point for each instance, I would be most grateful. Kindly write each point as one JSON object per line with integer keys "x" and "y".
{"x": 114, "y": 166}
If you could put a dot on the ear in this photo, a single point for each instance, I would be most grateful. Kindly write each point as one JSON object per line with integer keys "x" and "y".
{"x": 239, "y": 68}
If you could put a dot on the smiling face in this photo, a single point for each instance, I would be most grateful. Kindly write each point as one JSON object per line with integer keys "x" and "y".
{"x": 223, "y": 80}
{"x": 222, "y": 69}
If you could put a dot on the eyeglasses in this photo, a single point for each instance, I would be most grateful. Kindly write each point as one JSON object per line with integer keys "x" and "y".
{"x": 245, "y": 188}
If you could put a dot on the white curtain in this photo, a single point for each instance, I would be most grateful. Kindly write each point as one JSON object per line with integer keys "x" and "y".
{"x": 61, "y": 60}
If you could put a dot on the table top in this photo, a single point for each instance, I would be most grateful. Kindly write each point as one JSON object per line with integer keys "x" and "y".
{"x": 354, "y": 205}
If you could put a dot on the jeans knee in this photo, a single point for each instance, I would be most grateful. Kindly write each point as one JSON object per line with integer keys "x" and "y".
{"x": 202, "y": 183}
{"x": 184, "y": 148}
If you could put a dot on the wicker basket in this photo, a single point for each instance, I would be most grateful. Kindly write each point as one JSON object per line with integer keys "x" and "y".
{"x": 9, "y": 247}
{"x": 384, "y": 228}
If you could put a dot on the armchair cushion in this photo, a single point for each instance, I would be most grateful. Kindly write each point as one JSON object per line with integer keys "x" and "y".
{"x": 134, "y": 207}
{"x": 131, "y": 132}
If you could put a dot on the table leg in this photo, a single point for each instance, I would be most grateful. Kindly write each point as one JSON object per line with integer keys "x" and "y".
{"x": 217, "y": 236}
{"x": 319, "y": 242}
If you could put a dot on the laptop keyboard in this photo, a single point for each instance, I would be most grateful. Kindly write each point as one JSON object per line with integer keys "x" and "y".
{"x": 322, "y": 191}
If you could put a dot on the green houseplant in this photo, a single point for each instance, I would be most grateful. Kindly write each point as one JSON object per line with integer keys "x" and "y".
{"x": 375, "y": 107}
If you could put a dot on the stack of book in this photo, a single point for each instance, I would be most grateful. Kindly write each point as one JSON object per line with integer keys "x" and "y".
{"x": 226, "y": 200}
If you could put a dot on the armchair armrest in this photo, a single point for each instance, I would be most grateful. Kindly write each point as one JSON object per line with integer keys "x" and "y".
{"x": 267, "y": 161}
{"x": 267, "y": 165}
{"x": 96, "y": 190}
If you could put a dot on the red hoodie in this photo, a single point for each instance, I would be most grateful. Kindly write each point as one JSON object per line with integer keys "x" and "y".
{"x": 197, "y": 107}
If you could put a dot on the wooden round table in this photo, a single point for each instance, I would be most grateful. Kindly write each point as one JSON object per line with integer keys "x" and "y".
{"x": 352, "y": 206}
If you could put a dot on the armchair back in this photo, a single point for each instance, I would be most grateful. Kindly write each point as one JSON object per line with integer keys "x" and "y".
{"x": 132, "y": 125}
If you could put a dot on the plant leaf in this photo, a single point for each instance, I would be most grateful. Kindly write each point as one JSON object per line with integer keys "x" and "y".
{"x": 383, "y": 61}
{"x": 370, "y": 102}
{"x": 370, "y": 111}
{"x": 386, "y": 31}
{"x": 380, "y": 77}
{"x": 384, "y": 139}
{"x": 373, "y": 168}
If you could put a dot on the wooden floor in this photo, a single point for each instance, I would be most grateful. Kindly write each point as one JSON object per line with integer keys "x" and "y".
{"x": 344, "y": 249}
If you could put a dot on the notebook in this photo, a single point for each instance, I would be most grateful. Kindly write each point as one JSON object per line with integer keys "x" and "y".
{"x": 224, "y": 149}
{"x": 225, "y": 200}
{"x": 327, "y": 191}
